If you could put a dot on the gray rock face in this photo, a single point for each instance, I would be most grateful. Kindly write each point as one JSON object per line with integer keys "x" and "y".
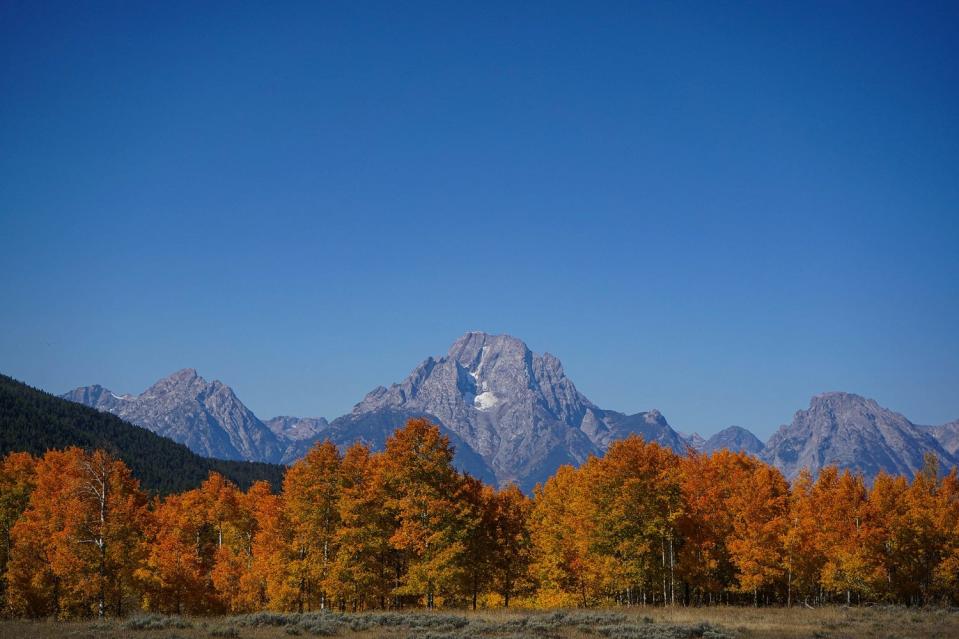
{"x": 948, "y": 436}
{"x": 517, "y": 410}
{"x": 852, "y": 432}
{"x": 651, "y": 426}
{"x": 514, "y": 416}
{"x": 98, "y": 397}
{"x": 296, "y": 429}
{"x": 735, "y": 439}
{"x": 205, "y": 416}
{"x": 695, "y": 441}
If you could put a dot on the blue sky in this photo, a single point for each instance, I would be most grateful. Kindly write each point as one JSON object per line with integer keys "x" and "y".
{"x": 714, "y": 209}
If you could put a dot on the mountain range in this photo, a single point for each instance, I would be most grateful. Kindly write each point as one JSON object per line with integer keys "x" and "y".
{"x": 206, "y": 416}
{"x": 34, "y": 421}
{"x": 514, "y": 416}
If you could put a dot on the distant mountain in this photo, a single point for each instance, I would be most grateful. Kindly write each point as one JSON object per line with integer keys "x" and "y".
{"x": 297, "y": 428}
{"x": 97, "y": 396}
{"x": 206, "y": 416}
{"x": 735, "y": 439}
{"x": 515, "y": 409}
{"x": 514, "y": 416}
{"x": 948, "y": 436}
{"x": 853, "y": 432}
{"x": 34, "y": 421}
{"x": 695, "y": 441}
{"x": 650, "y": 425}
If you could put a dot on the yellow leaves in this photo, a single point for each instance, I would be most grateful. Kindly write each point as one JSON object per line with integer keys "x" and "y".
{"x": 421, "y": 489}
{"x": 312, "y": 490}
{"x": 402, "y": 527}
{"x": 603, "y": 528}
{"x": 80, "y": 531}
{"x": 17, "y": 479}
{"x": 759, "y": 503}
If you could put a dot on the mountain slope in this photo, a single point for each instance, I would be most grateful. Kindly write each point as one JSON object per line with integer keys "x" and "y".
{"x": 516, "y": 409}
{"x": 734, "y": 438}
{"x": 34, "y": 421}
{"x": 294, "y": 429}
{"x": 205, "y": 416}
{"x": 852, "y": 432}
{"x": 650, "y": 425}
{"x": 514, "y": 416}
{"x": 695, "y": 441}
{"x": 948, "y": 436}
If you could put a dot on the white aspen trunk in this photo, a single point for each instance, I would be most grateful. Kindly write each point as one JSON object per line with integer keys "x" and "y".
{"x": 663, "y": 547}
{"x": 672, "y": 580}
{"x": 789, "y": 588}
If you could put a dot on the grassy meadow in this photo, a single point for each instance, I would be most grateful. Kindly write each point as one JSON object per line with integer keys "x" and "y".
{"x": 638, "y": 623}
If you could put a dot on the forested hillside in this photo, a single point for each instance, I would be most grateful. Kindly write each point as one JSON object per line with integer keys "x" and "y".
{"x": 34, "y": 421}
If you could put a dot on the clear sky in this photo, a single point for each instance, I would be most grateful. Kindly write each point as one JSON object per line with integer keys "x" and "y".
{"x": 714, "y": 209}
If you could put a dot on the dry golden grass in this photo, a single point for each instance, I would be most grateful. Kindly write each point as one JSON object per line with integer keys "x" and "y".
{"x": 639, "y": 623}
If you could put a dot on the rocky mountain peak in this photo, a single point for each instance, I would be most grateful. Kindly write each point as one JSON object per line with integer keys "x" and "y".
{"x": 184, "y": 374}
{"x": 206, "y": 416}
{"x": 184, "y": 381}
{"x": 514, "y": 416}
{"x": 184, "y": 377}
{"x": 469, "y": 349}
{"x": 948, "y": 436}
{"x": 851, "y": 431}
{"x": 297, "y": 429}
{"x": 96, "y": 396}
{"x": 653, "y": 416}
{"x": 843, "y": 400}
{"x": 695, "y": 441}
{"x": 735, "y": 439}
{"x": 517, "y": 409}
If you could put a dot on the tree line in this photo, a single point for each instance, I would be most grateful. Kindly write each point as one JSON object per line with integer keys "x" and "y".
{"x": 402, "y": 528}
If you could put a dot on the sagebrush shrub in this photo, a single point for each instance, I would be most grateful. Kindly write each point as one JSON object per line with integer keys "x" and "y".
{"x": 156, "y": 622}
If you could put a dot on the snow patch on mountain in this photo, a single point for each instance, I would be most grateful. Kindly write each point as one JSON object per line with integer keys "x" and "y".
{"x": 485, "y": 400}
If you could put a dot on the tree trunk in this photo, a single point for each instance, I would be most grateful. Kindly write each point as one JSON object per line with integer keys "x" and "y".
{"x": 789, "y": 588}
{"x": 672, "y": 579}
{"x": 663, "y": 564}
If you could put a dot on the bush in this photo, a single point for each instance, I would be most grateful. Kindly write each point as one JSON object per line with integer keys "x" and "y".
{"x": 257, "y": 619}
{"x": 428, "y": 625}
{"x": 593, "y": 619}
{"x": 319, "y": 626}
{"x": 224, "y": 631}
{"x": 156, "y": 622}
